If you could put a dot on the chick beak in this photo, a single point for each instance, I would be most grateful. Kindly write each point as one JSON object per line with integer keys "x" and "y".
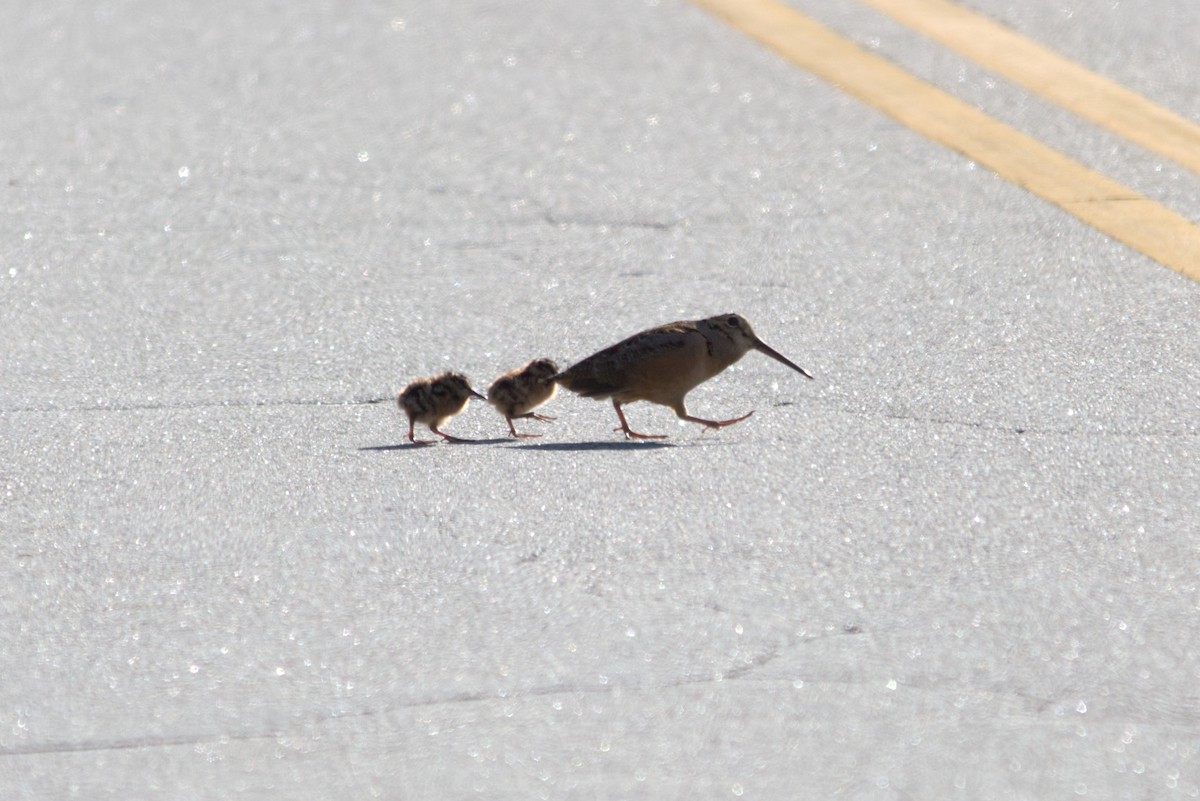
{"x": 483, "y": 398}
{"x": 763, "y": 347}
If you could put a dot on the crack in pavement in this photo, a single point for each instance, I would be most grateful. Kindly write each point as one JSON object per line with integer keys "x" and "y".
{"x": 1037, "y": 704}
{"x": 1015, "y": 430}
{"x": 185, "y": 406}
{"x": 595, "y": 222}
{"x": 1001, "y": 428}
{"x": 603, "y": 687}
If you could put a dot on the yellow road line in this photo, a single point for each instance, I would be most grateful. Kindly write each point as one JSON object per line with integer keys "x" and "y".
{"x": 1103, "y": 203}
{"x": 1007, "y": 53}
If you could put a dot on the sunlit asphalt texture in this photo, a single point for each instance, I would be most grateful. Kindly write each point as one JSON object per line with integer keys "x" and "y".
{"x": 961, "y": 563}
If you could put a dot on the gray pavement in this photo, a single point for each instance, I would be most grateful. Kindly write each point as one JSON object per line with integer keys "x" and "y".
{"x": 962, "y": 563}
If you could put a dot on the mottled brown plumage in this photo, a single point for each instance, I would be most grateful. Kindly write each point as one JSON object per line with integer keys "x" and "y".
{"x": 433, "y": 401}
{"x": 663, "y": 364}
{"x": 518, "y": 392}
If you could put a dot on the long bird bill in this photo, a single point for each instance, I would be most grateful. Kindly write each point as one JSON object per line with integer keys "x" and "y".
{"x": 759, "y": 345}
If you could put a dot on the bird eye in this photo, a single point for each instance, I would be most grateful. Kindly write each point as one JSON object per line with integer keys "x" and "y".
{"x": 732, "y": 322}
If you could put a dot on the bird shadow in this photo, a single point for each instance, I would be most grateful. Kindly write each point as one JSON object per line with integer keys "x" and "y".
{"x": 527, "y": 445}
{"x": 592, "y": 446}
{"x": 413, "y": 446}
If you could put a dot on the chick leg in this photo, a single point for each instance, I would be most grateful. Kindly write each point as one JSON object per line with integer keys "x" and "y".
{"x": 448, "y": 437}
{"x": 514, "y": 431}
{"x": 413, "y": 438}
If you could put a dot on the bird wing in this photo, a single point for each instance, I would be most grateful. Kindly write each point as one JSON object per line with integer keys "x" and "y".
{"x": 503, "y": 393}
{"x": 588, "y": 383}
{"x": 623, "y": 367}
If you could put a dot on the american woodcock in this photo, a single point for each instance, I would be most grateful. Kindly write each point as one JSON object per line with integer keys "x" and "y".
{"x": 518, "y": 392}
{"x": 433, "y": 401}
{"x": 663, "y": 364}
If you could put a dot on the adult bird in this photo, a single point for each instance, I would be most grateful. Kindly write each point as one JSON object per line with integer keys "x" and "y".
{"x": 664, "y": 363}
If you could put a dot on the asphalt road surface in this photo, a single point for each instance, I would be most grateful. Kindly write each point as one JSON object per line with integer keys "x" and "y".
{"x": 961, "y": 563}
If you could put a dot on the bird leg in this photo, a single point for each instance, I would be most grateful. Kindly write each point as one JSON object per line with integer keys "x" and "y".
{"x": 413, "y": 438}
{"x": 545, "y": 418}
{"x": 715, "y": 423}
{"x": 514, "y": 431}
{"x": 630, "y": 432}
{"x": 448, "y": 437}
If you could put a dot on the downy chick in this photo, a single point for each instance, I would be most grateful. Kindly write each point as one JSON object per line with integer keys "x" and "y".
{"x": 518, "y": 392}
{"x": 433, "y": 401}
